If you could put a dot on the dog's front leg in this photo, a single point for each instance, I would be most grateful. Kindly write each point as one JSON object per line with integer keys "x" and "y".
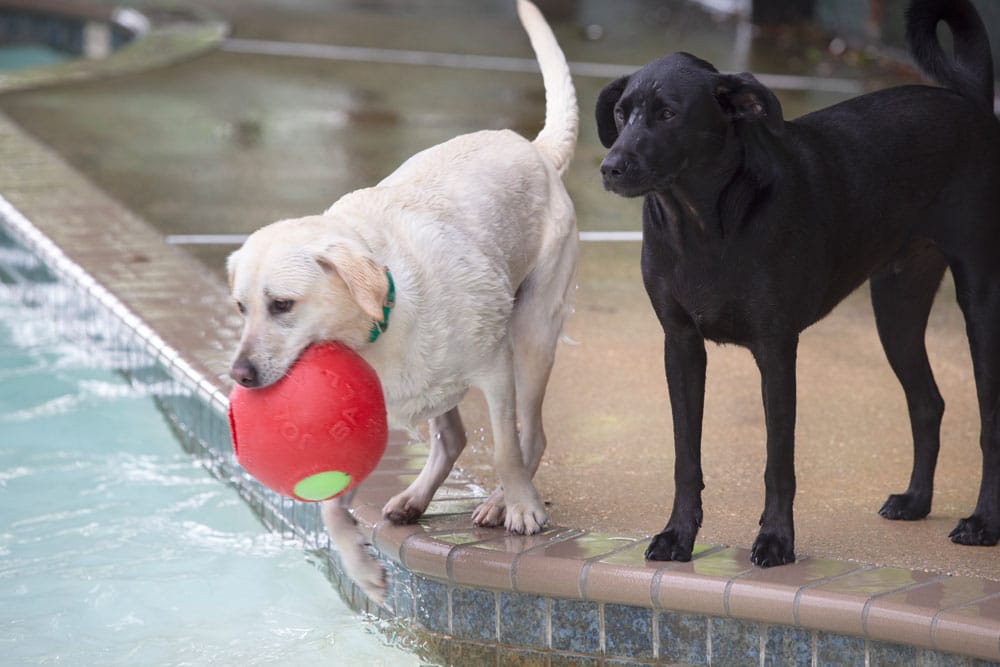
{"x": 358, "y": 563}
{"x": 684, "y": 362}
{"x": 775, "y": 543}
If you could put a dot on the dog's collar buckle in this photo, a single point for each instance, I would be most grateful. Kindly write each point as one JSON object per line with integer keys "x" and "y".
{"x": 390, "y": 301}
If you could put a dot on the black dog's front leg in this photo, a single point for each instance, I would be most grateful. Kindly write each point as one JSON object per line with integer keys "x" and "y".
{"x": 684, "y": 363}
{"x": 775, "y": 543}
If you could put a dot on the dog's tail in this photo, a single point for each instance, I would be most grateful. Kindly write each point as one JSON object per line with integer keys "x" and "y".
{"x": 971, "y": 72}
{"x": 562, "y": 116}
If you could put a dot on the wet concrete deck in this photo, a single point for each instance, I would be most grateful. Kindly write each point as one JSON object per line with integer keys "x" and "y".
{"x": 231, "y": 141}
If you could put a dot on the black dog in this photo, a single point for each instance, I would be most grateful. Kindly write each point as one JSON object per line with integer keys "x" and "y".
{"x": 754, "y": 228}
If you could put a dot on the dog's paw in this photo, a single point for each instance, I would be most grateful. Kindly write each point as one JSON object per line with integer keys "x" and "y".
{"x": 769, "y": 550}
{"x": 905, "y": 507}
{"x": 972, "y": 531}
{"x": 404, "y": 508}
{"x": 492, "y": 512}
{"x": 671, "y": 544}
{"x": 524, "y": 519}
{"x": 367, "y": 573}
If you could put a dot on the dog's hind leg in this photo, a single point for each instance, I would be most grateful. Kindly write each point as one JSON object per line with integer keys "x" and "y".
{"x": 524, "y": 511}
{"x": 536, "y": 325}
{"x": 902, "y": 296}
{"x": 978, "y": 288}
{"x": 447, "y": 442}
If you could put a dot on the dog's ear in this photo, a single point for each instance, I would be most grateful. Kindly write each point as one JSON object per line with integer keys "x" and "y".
{"x": 607, "y": 129}
{"x": 365, "y": 278}
{"x": 743, "y": 97}
{"x": 231, "y": 266}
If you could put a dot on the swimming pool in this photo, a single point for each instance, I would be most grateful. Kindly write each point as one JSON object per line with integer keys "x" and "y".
{"x": 116, "y": 547}
{"x": 21, "y": 56}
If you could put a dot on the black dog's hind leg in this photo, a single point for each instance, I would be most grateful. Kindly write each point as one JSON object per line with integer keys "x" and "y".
{"x": 684, "y": 362}
{"x": 978, "y": 289}
{"x": 775, "y": 543}
{"x": 902, "y": 296}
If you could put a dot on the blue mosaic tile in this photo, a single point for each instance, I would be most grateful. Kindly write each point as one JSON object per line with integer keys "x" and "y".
{"x": 351, "y": 593}
{"x": 510, "y": 657}
{"x": 557, "y": 660}
{"x": 433, "y": 650}
{"x": 735, "y": 643}
{"x": 683, "y": 638}
{"x": 473, "y": 614}
{"x": 628, "y": 631}
{"x": 929, "y": 658}
{"x": 836, "y": 650}
{"x": 312, "y": 523}
{"x": 576, "y": 626}
{"x": 400, "y": 590}
{"x": 522, "y": 620}
{"x": 885, "y": 654}
{"x": 785, "y": 646}
{"x": 431, "y": 604}
{"x": 464, "y": 653}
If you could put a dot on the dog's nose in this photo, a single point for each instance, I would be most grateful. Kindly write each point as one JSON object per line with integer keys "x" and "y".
{"x": 244, "y": 372}
{"x": 613, "y": 166}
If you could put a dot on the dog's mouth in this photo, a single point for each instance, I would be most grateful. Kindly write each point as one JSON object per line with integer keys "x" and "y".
{"x": 624, "y": 187}
{"x": 623, "y": 177}
{"x": 256, "y": 373}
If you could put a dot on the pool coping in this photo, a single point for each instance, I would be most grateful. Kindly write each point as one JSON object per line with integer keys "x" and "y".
{"x": 565, "y": 594}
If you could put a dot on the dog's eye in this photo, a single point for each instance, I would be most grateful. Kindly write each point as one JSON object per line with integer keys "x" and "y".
{"x": 240, "y": 307}
{"x": 279, "y": 306}
{"x": 665, "y": 114}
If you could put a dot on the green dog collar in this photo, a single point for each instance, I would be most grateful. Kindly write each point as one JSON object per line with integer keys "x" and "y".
{"x": 390, "y": 301}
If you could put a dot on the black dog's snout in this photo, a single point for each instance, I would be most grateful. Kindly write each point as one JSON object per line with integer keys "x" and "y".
{"x": 245, "y": 373}
{"x": 613, "y": 166}
{"x": 618, "y": 173}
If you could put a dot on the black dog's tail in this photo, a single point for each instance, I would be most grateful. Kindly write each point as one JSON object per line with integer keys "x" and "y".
{"x": 971, "y": 72}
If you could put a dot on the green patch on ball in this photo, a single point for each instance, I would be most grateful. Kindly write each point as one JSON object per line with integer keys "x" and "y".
{"x": 322, "y": 485}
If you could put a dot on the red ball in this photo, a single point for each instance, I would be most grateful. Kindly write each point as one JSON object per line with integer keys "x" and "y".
{"x": 318, "y": 431}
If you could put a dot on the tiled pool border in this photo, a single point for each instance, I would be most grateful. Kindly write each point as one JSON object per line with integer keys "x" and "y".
{"x": 466, "y": 595}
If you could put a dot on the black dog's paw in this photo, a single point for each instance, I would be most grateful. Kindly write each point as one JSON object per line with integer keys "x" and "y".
{"x": 972, "y": 531}
{"x": 769, "y": 550}
{"x": 905, "y": 507}
{"x": 669, "y": 545}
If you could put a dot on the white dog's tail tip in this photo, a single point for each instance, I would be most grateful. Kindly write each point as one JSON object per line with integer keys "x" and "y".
{"x": 562, "y": 115}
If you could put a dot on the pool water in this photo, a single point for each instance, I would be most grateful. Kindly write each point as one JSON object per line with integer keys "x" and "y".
{"x": 116, "y": 547}
{"x": 22, "y": 56}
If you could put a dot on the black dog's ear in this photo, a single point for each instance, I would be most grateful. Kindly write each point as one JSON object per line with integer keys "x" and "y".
{"x": 607, "y": 129}
{"x": 743, "y": 97}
